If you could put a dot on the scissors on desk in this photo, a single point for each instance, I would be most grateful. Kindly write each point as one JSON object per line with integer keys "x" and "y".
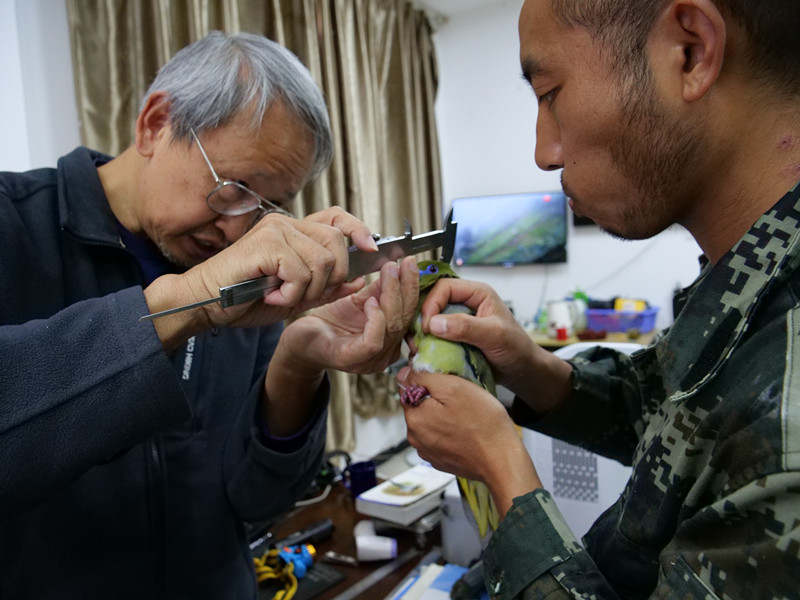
{"x": 361, "y": 262}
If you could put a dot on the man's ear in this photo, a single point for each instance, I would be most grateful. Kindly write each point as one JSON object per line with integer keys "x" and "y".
{"x": 696, "y": 34}
{"x": 152, "y": 123}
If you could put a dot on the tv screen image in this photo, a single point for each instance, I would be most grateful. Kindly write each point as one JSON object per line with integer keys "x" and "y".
{"x": 511, "y": 229}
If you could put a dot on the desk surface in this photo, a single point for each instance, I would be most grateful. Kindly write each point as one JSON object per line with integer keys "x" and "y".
{"x": 340, "y": 508}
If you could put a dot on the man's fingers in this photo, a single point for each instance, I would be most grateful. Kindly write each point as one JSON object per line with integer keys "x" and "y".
{"x": 420, "y": 416}
{"x": 449, "y": 290}
{"x": 332, "y": 294}
{"x": 334, "y": 241}
{"x": 348, "y": 225}
{"x": 460, "y": 327}
{"x": 293, "y": 254}
{"x": 454, "y": 291}
{"x": 412, "y": 347}
{"x": 296, "y": 276}
{"x": 440, "y": 386}
{"x": 371, "y": 341}
{"x": 346, "y": 289}
{"x": 409, "y": 288}
{"x": 391, "y": 300}
{"x": 374, "y": 335}
{"x": 424, "y": 423}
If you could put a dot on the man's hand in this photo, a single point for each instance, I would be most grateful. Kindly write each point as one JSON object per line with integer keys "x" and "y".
{"x": 309, "y": 256}
{"x": 462, "y": 429}
{"x": 531, "y": 372}
{"x": 361, "y": 333}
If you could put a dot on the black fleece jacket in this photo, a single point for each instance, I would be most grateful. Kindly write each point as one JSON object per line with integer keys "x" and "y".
{"x": 124, "y": 472}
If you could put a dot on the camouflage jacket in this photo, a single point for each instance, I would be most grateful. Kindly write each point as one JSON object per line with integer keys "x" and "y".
{"x": 709, "y": 419}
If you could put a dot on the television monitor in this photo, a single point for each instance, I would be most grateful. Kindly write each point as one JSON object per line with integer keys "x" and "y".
{"x": 511, "y": 229}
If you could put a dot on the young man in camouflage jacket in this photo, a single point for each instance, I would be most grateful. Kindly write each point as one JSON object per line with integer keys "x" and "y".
{"x": 659, "y": 112}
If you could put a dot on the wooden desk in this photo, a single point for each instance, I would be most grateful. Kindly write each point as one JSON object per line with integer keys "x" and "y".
{"x": 550, "y": 343}
{"x": 339, "y": 507}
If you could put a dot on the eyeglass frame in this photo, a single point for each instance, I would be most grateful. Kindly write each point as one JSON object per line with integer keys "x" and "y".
{"x": 266, "y": 206}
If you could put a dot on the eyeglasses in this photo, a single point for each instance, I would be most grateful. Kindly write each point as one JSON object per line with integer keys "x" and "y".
{"x": 233, "y": 198}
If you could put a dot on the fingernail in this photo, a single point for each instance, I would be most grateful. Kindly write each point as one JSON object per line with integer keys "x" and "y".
{"x": 372, "y": 244}
{"x": 438, "y": 325}
{"x": 372, "y": 301}
{"x": 393, "y": 270}
{"x": 402, "y": 374}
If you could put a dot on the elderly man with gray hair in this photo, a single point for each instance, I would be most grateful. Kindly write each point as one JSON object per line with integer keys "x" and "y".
{"x": 133, "y": 451}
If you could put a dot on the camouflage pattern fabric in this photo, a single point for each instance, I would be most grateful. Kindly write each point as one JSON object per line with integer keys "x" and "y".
{"x": 709, "y": 419}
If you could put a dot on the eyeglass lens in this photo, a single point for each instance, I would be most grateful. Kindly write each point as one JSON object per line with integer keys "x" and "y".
{"x": 233, "y": 199}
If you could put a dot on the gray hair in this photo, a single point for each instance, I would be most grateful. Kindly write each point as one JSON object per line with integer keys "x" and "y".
{"x": 212, "y": 80}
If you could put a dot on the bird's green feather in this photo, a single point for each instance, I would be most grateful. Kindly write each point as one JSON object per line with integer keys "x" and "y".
{"x": 436, "y": 355}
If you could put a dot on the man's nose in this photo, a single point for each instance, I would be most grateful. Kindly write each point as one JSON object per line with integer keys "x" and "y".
{"x": 548, "y": 153}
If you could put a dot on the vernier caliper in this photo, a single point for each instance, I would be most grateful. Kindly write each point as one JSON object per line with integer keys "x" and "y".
{"x": 361, "y": 262}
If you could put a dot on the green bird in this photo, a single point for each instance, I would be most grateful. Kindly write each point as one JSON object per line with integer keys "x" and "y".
{"x": 435, "y": 355}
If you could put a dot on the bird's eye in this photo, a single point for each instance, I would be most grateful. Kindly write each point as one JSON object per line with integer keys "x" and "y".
{"x": 433, "y": 269}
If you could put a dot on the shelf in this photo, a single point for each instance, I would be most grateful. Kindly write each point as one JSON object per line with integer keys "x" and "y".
{"x": 547, "y": 342}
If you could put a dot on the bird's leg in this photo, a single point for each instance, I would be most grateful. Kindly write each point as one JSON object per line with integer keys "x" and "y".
{"x": 413, "y": 395}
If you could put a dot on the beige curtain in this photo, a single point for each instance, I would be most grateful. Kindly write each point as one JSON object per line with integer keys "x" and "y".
{"x": 374, "y": 61}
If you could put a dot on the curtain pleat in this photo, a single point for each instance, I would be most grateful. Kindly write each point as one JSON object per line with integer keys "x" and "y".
{"x": 375, "y": 63}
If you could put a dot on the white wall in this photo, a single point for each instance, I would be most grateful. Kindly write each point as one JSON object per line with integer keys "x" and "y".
{"x": 14, "y": 154}
{"x": 486, "y": 117}
{"x": 38, "y": 99}
{"x": 52, "y": 116}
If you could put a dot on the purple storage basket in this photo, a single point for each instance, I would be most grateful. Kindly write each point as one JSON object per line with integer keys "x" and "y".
{"x": 606, "y": 319}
